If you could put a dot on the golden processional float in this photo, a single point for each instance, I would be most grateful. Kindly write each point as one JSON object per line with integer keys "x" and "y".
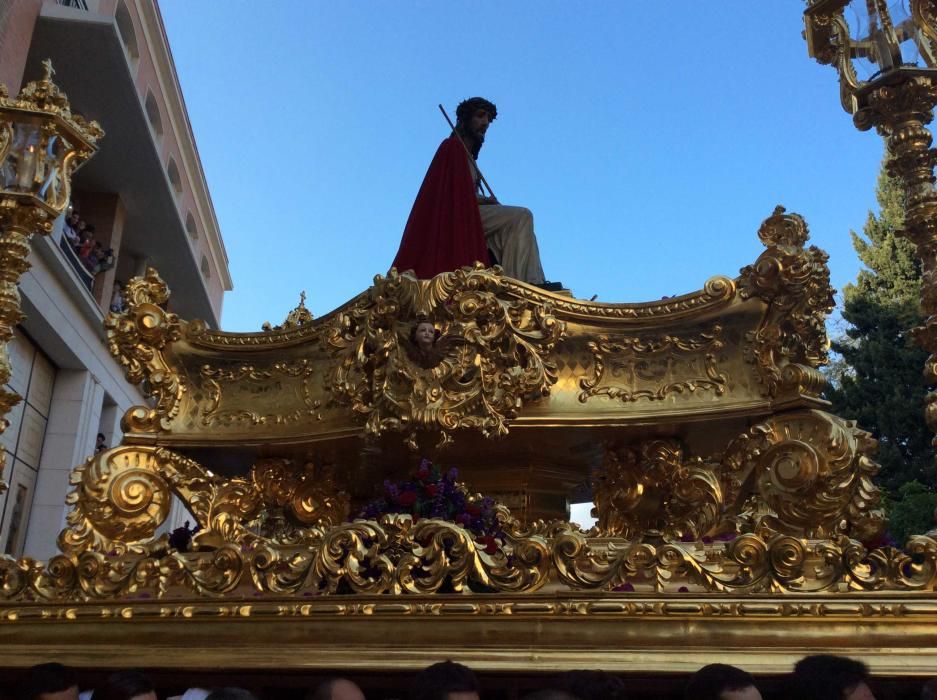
{"x": 735, "y": 513}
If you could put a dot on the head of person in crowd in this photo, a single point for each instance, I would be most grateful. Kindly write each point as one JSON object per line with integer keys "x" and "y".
{"x": 446, "y": 680}
{"x": 552, "y": 694}
{"x": 336, "y": 689}
{"x": 126, "y": 685}
{"x": 231, "y": 694}
{"x": 593, "y": 684}
{"x": 828, "y": 677}
{"x": 721, "y": 682}
{"x": 48, "y": 682}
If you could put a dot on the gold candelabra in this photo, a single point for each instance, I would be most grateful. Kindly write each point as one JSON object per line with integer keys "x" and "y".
{"x": 886, "y": 57}
{"x": 42, "y": 143}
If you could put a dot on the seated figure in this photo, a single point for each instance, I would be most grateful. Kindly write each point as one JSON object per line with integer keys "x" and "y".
{"x": 453, "y": 223}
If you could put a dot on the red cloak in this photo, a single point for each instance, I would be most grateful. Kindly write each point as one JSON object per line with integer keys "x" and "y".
{"x": 444, "y": 231}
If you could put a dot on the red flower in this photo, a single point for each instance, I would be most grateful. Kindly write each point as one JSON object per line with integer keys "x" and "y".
{"x": 491, "y": 544}
{"x": 432, "y": 490}
{"x": 407, "y": 498}
{"x": 473, "y": 509}
{"x": 423, "y": 473}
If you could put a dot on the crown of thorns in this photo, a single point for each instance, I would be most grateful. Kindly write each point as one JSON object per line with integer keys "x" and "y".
{"x": 468, "y": 107}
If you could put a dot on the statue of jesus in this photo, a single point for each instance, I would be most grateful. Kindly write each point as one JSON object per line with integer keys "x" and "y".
{"x": 454, "y": 223}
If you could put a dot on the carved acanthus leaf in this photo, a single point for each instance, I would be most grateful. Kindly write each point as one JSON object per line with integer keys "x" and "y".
{"x": 492, "y": 357}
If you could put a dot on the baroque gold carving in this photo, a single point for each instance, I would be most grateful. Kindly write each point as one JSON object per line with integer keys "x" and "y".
{"x": 791, "y": 342}
{"x": 633, "y": 368}
{"x": 492, "y": 358}
{"x": 399, "y": 557}
{"x": 802, "y": 473}
{"x": 813, "y": 472}
{"x": 300, "y": 316}
{"x": 138, "y": 339}
{"x": 122, "y": 496}
{"x": 652, "y": 490}
{"x": 248, "y": 375}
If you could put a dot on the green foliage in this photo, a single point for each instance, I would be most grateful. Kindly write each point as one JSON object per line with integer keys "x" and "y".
{"x": 877, "y": 378}
{"x": 910, "y": 511}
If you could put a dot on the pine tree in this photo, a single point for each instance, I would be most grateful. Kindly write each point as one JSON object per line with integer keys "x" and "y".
{"x": 878, "y": 379}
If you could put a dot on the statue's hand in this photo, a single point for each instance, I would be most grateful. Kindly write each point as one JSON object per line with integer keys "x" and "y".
{"x": 487, "y": 200}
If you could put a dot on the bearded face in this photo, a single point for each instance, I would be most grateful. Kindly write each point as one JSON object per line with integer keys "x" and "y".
{"x": 474, "y": 117}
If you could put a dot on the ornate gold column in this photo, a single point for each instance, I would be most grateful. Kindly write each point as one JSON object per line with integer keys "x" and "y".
{"x": 898, "y": 100}
{"x": 41, "y": 145}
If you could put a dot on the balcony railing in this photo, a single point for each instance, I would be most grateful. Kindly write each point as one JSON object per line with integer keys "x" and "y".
{"x": 86, "y": 277}
{"x": 78, "y": 4}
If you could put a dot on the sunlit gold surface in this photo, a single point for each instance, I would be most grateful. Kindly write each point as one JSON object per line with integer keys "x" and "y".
{"x": 731, "y": 507}
{"x": 32, "y": 205}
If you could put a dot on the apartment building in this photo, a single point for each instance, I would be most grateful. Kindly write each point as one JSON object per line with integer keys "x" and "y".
{"x": 146, "y": 197}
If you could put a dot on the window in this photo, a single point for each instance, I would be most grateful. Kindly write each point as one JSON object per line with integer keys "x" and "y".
{"x": 190, "y": 226}
{"x": 173, "y": 172}
{"x": 206, "y": 270}
{"x": 152, "y": 113}
{"x": 126, "y": 31}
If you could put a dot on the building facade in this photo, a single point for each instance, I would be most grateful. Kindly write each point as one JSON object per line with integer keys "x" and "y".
{"x": 145, "y": 201}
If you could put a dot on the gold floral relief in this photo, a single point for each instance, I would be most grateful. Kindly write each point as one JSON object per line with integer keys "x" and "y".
{"x": 492, "y": 354}
{"x": 631, "y": 368}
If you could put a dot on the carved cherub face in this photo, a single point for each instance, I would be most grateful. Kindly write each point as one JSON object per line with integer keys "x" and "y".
{"x": 425, "y": 335}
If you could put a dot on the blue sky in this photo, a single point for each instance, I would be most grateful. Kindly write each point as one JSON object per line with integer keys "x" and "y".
{"x": 649, "y": 139}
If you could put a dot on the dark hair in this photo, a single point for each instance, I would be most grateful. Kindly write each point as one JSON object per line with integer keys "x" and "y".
{"x": 468, "y": 107}
{"x": 593, "y": 684}
{"x": 45, "y": 678}
{"x": 825, "y": 676}
{"x": 124, "y": 685}
{"x": 437, "y": 681}
{"x": 228, "y": 694}
{"x": 552, "y": 694}
{"x": 710, "y": 681}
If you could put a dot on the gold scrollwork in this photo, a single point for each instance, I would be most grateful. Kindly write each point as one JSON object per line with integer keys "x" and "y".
{"x": 311, "y": 496}
{"x": 397, "y": 556}
{"x": 814, "y": 472}
{"x": 213, "y": 377}
{"x": 652, "y": 490}
{"x": 650, "y": 360}
{"x": 492, "y": 358}
{"x": 137, "y": 339}
{"x": 790, "y": 342}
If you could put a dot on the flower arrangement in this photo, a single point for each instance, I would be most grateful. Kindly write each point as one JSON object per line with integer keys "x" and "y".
{"x": 431, "y": 493}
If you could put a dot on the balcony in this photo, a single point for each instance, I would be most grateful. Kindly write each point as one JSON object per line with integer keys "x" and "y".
{"x": 99, "y": 75}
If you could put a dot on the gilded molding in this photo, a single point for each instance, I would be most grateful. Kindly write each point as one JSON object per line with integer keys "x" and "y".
{"x": 213, "y": 378}
{"x": 623, "y": 364}
{"x": 492, "y": 357}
